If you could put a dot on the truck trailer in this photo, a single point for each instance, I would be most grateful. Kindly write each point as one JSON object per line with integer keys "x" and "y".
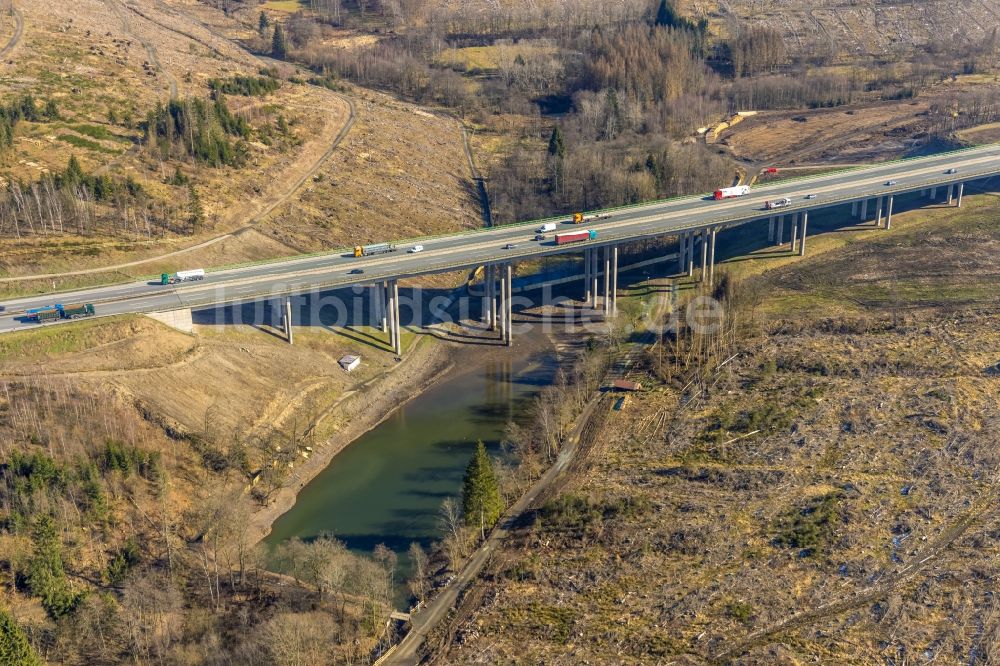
{"x": 376, "y": 248}
{"x": 730, "y": 192}
{"x": 59, "y": 311}
{"x": 780, "y": 203}
{"x": 77, "y": 311}
{"x": 580, "y": 218}
{"x": 183, "y": 276}
{"x": 575, "y": 236}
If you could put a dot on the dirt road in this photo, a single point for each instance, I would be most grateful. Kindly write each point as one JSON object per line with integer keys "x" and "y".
{"x": 18, "y": 32}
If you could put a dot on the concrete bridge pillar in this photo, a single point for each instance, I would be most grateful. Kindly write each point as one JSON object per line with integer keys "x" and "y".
{"x": 376, "y": 307}
{"x": 593, "y": 278}
{"x": 711, "y": 256}
{"x": 393, "y": 312}
{"x": 502, "y": 316}
{"x": 692, "y": 240}
{"x": 586, "y": 276}
{"x": 287, "y": 320}
{"x": 681, "y": 251}
{"x": 614, "y": 281}
{"x": 704, "y": 249}
{"x": 961, "y": 188}
{"x": 607, "y": 281}
{"x": 951, "y": 189}
{"x": 805, "y": 226}
{"x": 888, "y": 215}
{"x": 878, "y": 213}
{"x": 780, "y": 236}
{"x": 933, "y": 193}
{"x": 487, "y": 296}
{"x": 854, "y": 209}
{"x": 398, "y": 338}
{"x": 509, "y": 307}
{"x": 794, "y": 221}
{"x": 384, "y": 304}
{"x": 864, "y": 209}
{"x": 770, "y": 229}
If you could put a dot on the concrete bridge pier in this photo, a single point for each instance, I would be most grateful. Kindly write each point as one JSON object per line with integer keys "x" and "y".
{"x": 704, "y": 249}
{"x": 681, "y": 251}
{"x": 795, "y": 232}
{"x": 487, "y": 297}
{"x": 607, "y": 280}
{"x": 593, "y": 278}
{"x": 854, "y": 209}
{"x": 614, "y": 281}
{"x": 864, "y": 209}
{"x": 951, "y": 189}
{"x": 508, "y": 307}
{"x": 393, "y": 312}
{"x": 586, "y": 276}
{"x": 878, "y": 213}
{"x": 693, "y": 240}
{"x": 398, "y": 336}
{"x": 502, "y": 313}
{"x": 805, "y": 226}
{"x": 779, "y": 237}
{"x": 888, "y": 214}
{"x": 384, "y": 303}
{"x": 770, "y": 230}
{"x": 286, "y": 320}
{"x": 933, "y": 193}
{"x": 958, "y": 201}
{"x": 711, "y": 256}
{"x": 376, "y": 316}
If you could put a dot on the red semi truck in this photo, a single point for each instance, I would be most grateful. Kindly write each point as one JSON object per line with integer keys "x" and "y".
{"x": 575, "y": 236}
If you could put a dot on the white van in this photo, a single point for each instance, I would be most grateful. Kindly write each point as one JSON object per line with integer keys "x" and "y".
{"x": 415, "y": 249}
{"x": 548, "y": 226}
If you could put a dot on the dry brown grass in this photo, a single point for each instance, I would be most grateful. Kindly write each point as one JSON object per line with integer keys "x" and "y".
{"x": 400, "y": 173}
{"x": 889, "y": 411}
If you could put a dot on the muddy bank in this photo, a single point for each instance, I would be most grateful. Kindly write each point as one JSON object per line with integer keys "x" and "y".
{"x": 372, "y": 403}
{"x": 431, "y": 363}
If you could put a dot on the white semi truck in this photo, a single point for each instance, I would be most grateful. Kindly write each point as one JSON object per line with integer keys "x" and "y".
{"x": 183, "y": 276}
{"x": 730, "y": 192}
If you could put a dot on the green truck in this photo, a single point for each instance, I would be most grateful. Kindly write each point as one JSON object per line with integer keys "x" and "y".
{"x": 60, "y": 311}
{"x": 77, "y": 311}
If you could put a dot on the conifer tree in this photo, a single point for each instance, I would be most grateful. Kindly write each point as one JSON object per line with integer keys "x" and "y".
{"x": 665, "y": 15}
{"x": 557, "y": 148}
{"x": 14, "y": 647}
{"x": 481, "y": 502}
{"x": 279, "y": 47}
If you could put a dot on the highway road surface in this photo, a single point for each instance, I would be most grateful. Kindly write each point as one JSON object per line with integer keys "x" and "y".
{"x": 464, "y": 250}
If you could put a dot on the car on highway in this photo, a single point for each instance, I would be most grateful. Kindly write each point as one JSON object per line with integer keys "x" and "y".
{"x": 539, "y": 237}
{"x": 356, "y": 271}
{"x": 509, "y": 246}
{"x": 890, "y": 183}
{"x": 810, "y": 196}
{"x": 415, "y": 249}
{"x": 951, "y": 171}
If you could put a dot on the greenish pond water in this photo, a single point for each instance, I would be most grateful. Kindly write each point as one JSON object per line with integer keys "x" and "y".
{"x": 387, "y": 486}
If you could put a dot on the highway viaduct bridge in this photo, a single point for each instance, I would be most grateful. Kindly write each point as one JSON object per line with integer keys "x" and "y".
{"x": 695, "y": 221}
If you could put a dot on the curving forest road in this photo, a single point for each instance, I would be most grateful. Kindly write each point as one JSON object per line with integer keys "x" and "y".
{"x": 18, "y": 31}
